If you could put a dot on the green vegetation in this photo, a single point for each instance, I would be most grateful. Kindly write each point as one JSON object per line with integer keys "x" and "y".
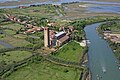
{"x": 70, "y": 52}
{"x": 79, "y": 26}
{"x": 36, "y": 39}
{"x": 36, "y": 11}
{"x": 7, "y": 31}
{"x": 13, "y": 26}
{"x": 15, "y": 42}
{"x": 114, "y": 27}
{"x": 20, "y": 36}
{"x": 40, "y": 15}
{"x": 14, "y": 56}
{"x": 2, "y": 36}
{"x": 116, "y": 49}
{"x": 45, "y": 71}
{"x": 1, "y": 46}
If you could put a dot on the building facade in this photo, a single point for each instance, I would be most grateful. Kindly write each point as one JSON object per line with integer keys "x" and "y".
{"x": 46, "y": 37}
{"x": 51, "y": 39}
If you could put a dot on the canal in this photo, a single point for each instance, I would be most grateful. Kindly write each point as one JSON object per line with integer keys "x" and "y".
{"x": 102, "y": 61}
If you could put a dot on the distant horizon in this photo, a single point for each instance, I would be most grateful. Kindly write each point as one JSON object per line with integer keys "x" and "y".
{"x": 48, "y": 0}
{"x": 10, "y": 4}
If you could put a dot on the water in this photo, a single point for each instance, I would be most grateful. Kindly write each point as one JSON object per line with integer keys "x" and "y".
{"x": 108, "y": 8}
{"x": 95, "y": 7}
{"x": 101, "y": 58}
{"x": 102, "y": 61}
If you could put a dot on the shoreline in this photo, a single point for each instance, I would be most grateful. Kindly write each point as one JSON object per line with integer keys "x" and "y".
{"x": 100, "y": 32}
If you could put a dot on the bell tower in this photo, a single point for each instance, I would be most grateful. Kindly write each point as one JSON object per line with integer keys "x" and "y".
{"x": 46, "y": 37}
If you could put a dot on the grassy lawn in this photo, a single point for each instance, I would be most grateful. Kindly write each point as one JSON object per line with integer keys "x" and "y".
{"x": 45, "y": 71}
{"x": 71, "y": 52}
{"x": 11, "y": 56}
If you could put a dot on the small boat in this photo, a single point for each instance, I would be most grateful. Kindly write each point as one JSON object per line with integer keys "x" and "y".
{"x": 104, "y": 71}
{"x": 119, "y": 68}
{"x": 98, "y": 78}
{"x": 97, "y": 75}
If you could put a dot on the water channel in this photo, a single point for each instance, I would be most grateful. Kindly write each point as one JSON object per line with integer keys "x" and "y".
{"x": 102, "y": 61}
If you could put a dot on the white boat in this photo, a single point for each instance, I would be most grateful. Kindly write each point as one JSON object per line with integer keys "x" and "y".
{"x": 98, "y": 78}
{"x": 104, "y": 70}
{"x": 119, "y": 68}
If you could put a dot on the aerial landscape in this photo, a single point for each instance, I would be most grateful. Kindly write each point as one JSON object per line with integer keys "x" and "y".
{"x": 59, "y": 39}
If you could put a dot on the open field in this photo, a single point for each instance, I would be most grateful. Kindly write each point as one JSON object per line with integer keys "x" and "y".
{"x": 2, "y": 36}
{"x": 21, "y": 36}
{"x": 10, "y": 32}
{"x": 70, "y": 52}
{"x": 14, "y": 56}
{"x": 36, "y": 11}
{"x": 15, "y": 42}
{"x": 1, "y": 47}
{"x": 45, "y": 71}
{"x": 13, "y": 26}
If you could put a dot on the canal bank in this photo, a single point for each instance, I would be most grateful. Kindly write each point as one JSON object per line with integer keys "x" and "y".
{"x": 111, "y": 36}
{"x": 101, "y": 58}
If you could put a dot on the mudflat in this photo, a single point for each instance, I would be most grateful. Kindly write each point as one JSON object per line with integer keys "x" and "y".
{"x": 20, "y": 2}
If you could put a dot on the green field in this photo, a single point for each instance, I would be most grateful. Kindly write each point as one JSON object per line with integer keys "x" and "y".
{"x": 1, "y": 46}
{"x": 15, "y": 42}
{"x": 36, "y": 11}
{"x": 2, "y": 36}
{"x": 21, "y": 36}
{"x": 38, "y": 16}
{"x": 13, "y": 26}
{"x": 10, "y": 57}
{"x": 7, "y": 31}
{"x": 70, "y": 52}
{"x": 45, "y": 71}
